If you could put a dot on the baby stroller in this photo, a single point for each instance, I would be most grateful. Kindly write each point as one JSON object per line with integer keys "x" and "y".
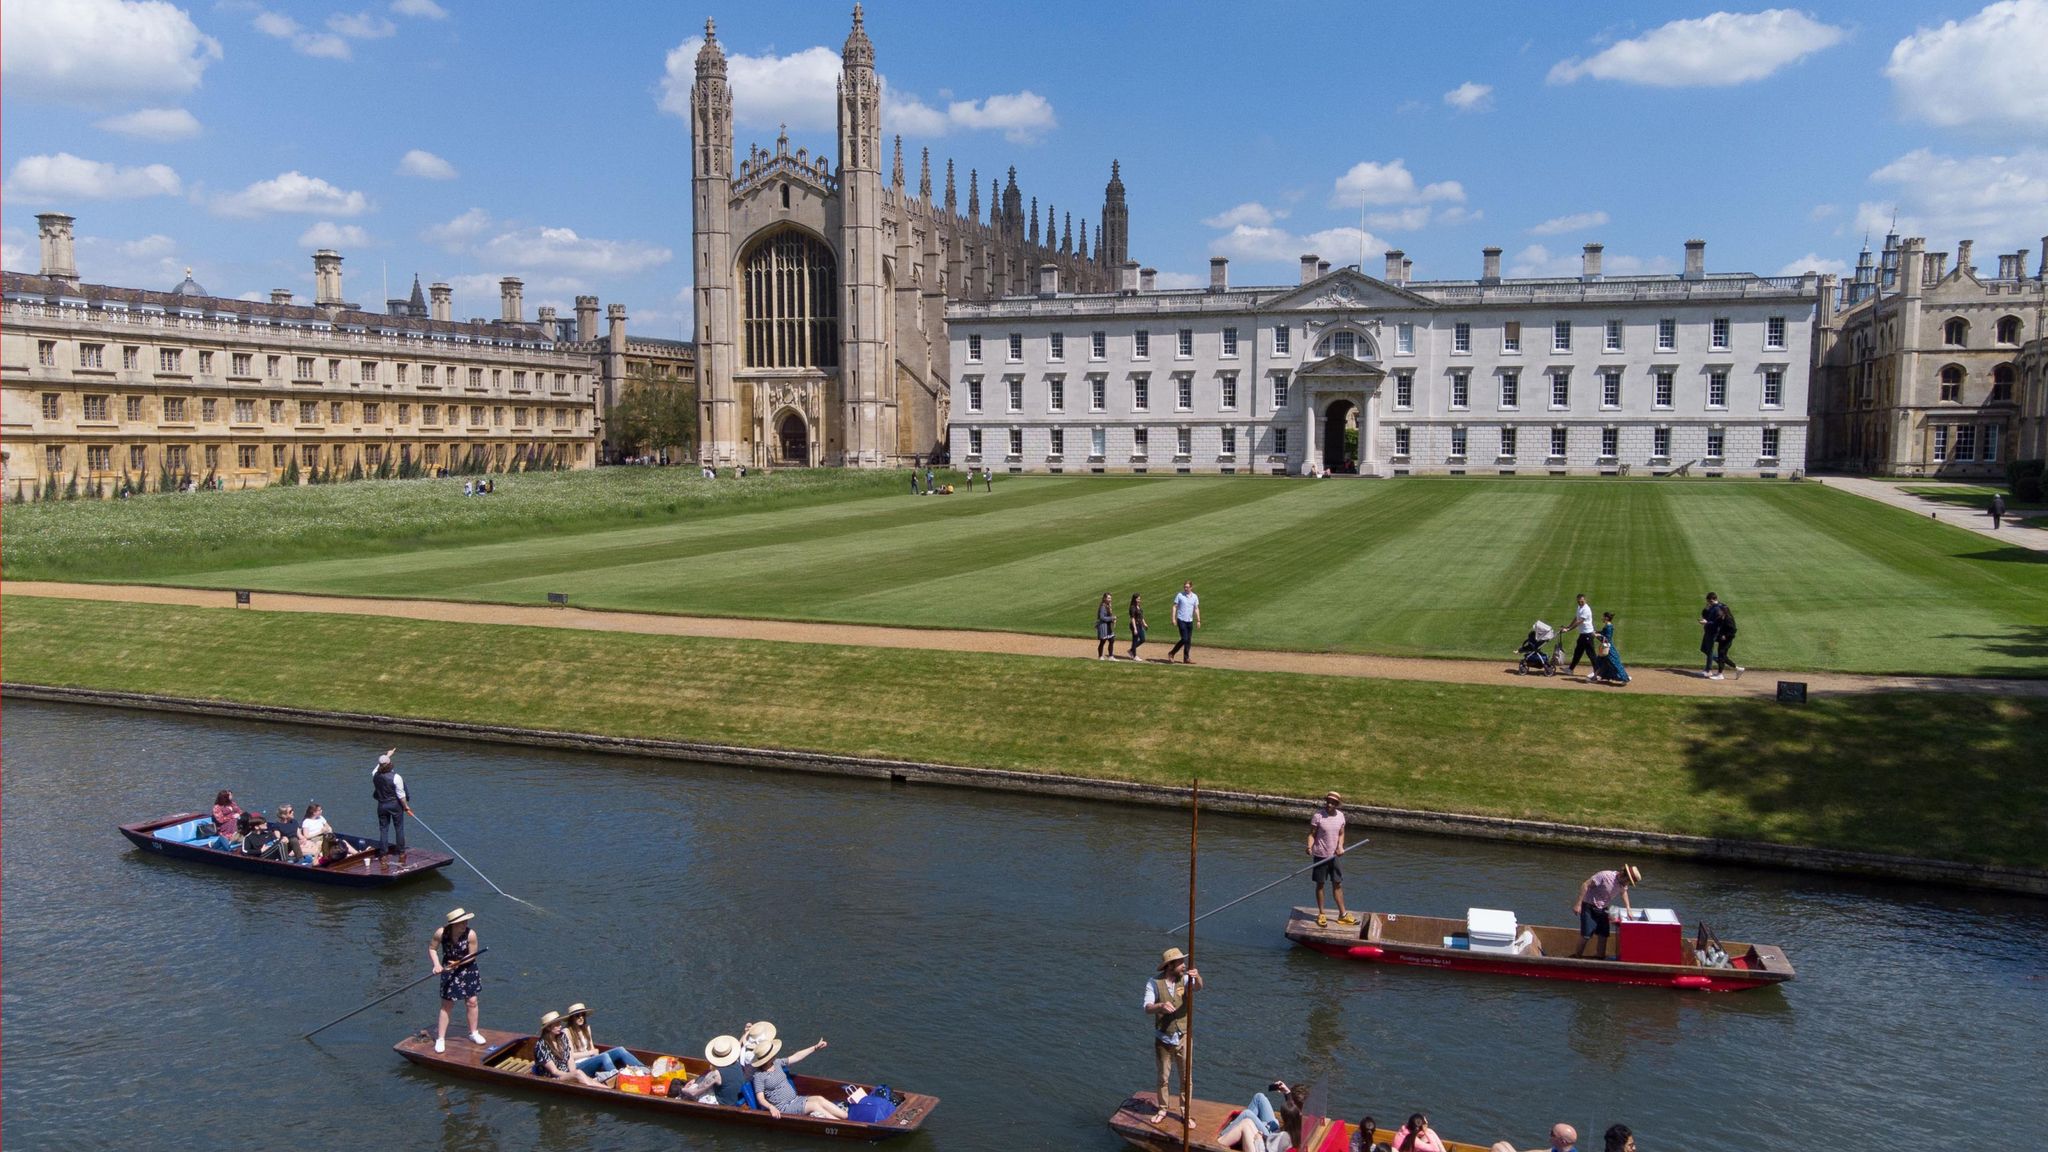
{"x": 1534, "y": 660}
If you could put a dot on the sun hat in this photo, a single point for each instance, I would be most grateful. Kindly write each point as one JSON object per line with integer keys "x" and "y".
{"x": 765, "y": 1056}
{"x": 384, "y": 759}
{"x": 547, "y": 1018}
{"x": 1333, "y": 796}
{"x": 723, "y": 1051}
{"x": 1635, "y": 874}
{"x": 457, "y": 917}
{"x": 575, "y": 1010}
{"x": 1169, "y": 957}
{"x": 758, "y": 1034}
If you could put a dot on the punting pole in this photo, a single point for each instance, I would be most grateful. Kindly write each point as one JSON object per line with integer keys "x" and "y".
{"x": 474, "y": 868}
{"x": 1267, "y": 888}
{"x": 1187, "y": 1076}
{"x": 389, "y": 995}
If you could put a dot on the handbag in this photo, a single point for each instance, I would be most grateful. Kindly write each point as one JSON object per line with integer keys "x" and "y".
{"x": 1601, "y": 647}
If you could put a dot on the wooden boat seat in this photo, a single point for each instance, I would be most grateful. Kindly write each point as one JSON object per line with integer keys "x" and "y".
{"x": 514, "y": 1064}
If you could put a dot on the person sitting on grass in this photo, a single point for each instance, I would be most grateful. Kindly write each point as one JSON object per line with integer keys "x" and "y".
{"x": 551, "y": 1054}
{"x": 776, "y": 1094}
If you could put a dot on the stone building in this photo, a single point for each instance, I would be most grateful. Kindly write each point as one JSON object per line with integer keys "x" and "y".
{"x": 1920, "y": 373}
{"x": 822, "y": 285}
{"x": 621, "y": 358}
{"x": 102, "y": 383}
{"x": 1695, "y": 372}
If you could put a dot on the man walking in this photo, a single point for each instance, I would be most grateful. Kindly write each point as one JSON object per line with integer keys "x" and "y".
{"x": 1325, "y": 846}
{"x": 1187, "y": 616}
{"x": 1997, "y": 509}
{"x": 1717, "y": 632}
{"x": 1582, "y": 623}
{"x": 1166, "y": 1002}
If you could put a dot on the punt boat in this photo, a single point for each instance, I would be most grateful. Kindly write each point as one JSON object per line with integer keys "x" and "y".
{"x": 1133, "y": 1122}
{"x": 1664, "y": 960}
{"x": 506, "y": 1059}
{"x": 178, "y": 837}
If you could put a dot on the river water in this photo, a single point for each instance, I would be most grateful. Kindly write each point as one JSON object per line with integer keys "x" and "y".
{"x": 989, "y": 949}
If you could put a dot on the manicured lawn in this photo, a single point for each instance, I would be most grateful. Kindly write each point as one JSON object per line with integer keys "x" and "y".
{"x": 1952, "y": 776}
{"x": 1973, "y": 496}
{"x": 1819, "y": 579}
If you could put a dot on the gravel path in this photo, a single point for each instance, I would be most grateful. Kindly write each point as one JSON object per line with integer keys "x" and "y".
{"x": 1659, "y": 681}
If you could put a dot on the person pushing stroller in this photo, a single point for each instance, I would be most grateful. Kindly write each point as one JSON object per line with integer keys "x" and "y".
{"x": 1534, "y": 660}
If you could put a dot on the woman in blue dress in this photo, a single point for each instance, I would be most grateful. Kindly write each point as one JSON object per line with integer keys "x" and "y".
{"x": 1606, "y": 656}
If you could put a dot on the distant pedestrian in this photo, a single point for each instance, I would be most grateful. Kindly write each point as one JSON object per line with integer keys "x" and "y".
{"x": 913, "y": 482}
{"x": 1582, "y": 625}
{"x": 1997, "y": 509}
{"x": 1187, "y": 616}
{"x": 988, "y": 479}
{"x": 1325, "y": 846}
{"x": 1105, "y": 630}
{"x": 1137, "y": 622}
{"x": 387, "y": 787}
{"x": 1717, "y": 632}
{"x": 927, "y": 479}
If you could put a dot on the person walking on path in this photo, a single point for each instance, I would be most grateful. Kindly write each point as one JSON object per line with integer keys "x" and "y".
{"x": 1582, "y": 624}
{"x": 1595, "y": 895}
{"x": 1137, "y": 622}
{"x": 1105, "y": 629}
{"x": 1997, "y": 510}
{"x": 1606, "y": 657}
{"x": 1717, "y": 632}
{"x": 1166, "y": 1002}
{"x": 387, "y": 787}
{"x": 453, "y": 952}
{"x": 1187, "y": 616}
{"x": 1325, "y": 846}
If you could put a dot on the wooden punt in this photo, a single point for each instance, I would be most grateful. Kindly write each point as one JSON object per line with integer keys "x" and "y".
{"x": 1133, "y": 1122}
{"x": 1419, "y": 941}
{"x": 506, "y": 1058}
{"x": 362, "y": 869}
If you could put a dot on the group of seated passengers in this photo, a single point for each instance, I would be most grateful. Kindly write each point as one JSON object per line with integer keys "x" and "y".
{"x": 285, "y": 837}
{"x": 1262, "y": 1128}
{"x": 566, "y": 1051}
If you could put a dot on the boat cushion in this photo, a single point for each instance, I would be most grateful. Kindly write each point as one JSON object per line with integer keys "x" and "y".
{"x": 185, "y": 833}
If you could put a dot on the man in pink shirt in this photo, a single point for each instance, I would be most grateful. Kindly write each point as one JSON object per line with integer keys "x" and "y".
{"x": 1595, "y": 895}
{"x": 1325, "y": 845}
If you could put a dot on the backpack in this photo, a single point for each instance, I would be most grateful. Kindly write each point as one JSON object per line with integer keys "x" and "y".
{"x": 874, "y": 1108}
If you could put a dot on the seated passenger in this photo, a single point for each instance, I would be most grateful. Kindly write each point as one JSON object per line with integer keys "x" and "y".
{"x": 227, "y": 817}
{"x": 1417, "y": 1136}
{"x": 286, "y": 822}
{"x": 1362, "y": 1136}
{"x": 257, "y": 837}
{"x": 776, "y": 1094}
{"x": 1258, "y": 1128}
{"x": 551, "y": 1054}
{"x": 721, "y": 1083}
{"x": 316, "y": 837}
{"x": 584, "y": 1051}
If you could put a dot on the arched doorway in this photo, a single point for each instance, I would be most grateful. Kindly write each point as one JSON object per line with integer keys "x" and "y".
{"x": 793, "y": 438}
{"x": 1340, "y": 424}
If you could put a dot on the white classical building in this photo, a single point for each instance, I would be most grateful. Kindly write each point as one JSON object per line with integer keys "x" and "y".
{"x": 1705, "y": 373}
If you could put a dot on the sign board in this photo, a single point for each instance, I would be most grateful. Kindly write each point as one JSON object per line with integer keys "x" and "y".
{"x": 563, "y": 598}
{"x": 241, "y": 597}
{"x": 1791, "y": 691}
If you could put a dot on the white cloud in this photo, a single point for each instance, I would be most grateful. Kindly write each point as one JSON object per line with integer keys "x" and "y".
{"x": 327, "y": 234}
{"x": 18, "y": 252}
{"x": 1370, "y": 183}
{"x": 96, "y": 51}
{"x": 1823, "y": 211}
{"x": 1253, "y": 213}
{"x": 1459, "y": 214}
{"x": 292, "y": 192}
{"x": 1814, "y": 262}
{"x": 561, "y": 249}
{"x": 147, "y": 262}
{"x": 422, "y": 9}
{"x": 1998, "y": 201}
{"x": 425, "y": 165}
{"x": 153, "y": 124}
{"x": 67, "y": 177}
{"x": 1400, "y": 220}
{"x": 1716, "y": 50}
{"x": 1278, "y": 245}
{"x": 1470, "y": 96}
{"x": 1181, "y": 280}
{"x": 331, "y": 45}
{"x": 1536, "y": 260}
{"x": 1576, "y": 222}
{"x": 1984, "y": 72}
{"x": 361, "y": 26}
{"x": 1022, "y": 117}
{"x": 456, "y": 234}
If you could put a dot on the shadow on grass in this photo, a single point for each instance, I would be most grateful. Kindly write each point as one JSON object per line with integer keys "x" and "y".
{"x": 1956, "y": 777}
{"x": 2028, "y": 643}
{"x": 2009, "y": 556}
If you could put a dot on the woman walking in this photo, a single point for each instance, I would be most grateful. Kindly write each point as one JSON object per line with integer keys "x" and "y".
{"x": 1607, "y": 664}
{"x": 1137, "y": 615}
{"x": 453, "y": 950}
{"x": 1105, "y": 629}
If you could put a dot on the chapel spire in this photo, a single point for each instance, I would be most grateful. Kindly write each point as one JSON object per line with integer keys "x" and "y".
{"x": 952, "y": 199}
{"x": 924, "y": 177}
{"x": 896, "y": 169}
{"x": 973, "y": 194}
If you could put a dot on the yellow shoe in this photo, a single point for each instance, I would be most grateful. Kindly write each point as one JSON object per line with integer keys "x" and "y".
{"x": 1322, "y": 921}
{"x": 1347, "y": 918}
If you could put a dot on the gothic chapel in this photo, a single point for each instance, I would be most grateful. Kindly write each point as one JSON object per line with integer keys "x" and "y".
{"x": 821, "y": 292}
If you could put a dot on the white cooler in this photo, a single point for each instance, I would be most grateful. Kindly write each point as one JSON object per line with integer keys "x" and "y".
{"x": 1490, "y": 930}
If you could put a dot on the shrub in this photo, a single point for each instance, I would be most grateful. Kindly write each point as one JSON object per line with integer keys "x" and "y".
{"x": 2025, "y": 478}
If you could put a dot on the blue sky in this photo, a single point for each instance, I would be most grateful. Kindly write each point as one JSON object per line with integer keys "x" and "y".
{"x": 465, "y": 141}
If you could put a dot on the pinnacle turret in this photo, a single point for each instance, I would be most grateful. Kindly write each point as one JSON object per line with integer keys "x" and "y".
{"x": 952, "y": 199}
{"x": 1032, "y": 233}
{"x": 711, "y": 57}
{"x": 896, "y": 168}
{"x": 924, "y": 176}
{"x": 974, "y": 195}
{"x": 859, "y": 51}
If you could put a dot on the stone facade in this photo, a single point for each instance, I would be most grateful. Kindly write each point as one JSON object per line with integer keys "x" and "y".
{"x": 621, "y": 357}
{"x": 1921, "y": 373}
{"x": 1700, "y": 373}
{"x": 821, "y": 287}
{"x": 103, "y": 383}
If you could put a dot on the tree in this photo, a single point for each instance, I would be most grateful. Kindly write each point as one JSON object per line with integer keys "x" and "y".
{"x": 653, "y": 414}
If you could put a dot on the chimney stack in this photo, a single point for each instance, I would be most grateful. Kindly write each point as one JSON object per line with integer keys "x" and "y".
{"x": 1322, "y": 268}
{"x": 1937, "y": 267}
{"x": 1827, "y": 299}
{"x": 547, "y": 320}
{"x": 1048, "y": 280}
{"x": 443, "y": 303}
{"x": 512, "y": 300}
{"x": 1407, "y": 270}
{"x": 54, "y": 229}
{"x": 1912, "y": 265}
{"x": 1127, "y": 278}
{"x": 1489, "y": 265}
{"x": 1148, "y": 279}
{"x": 1308, "y": 268}
{"x": 586, "y": 319}
{"x": 1963, "y": 256}
{"x": 1395, "y": 257}
{"x": 615, "y": 326}
{"x": 327, "y": 278}
{"x": 1589, "y": 263}
{"x": 2012, "y": 266}
{"x": 1219, "y": 273}
{"x": 280, "y": 295}
{"x": 2043, "y": 273}
{"x": 1695, "y": 260}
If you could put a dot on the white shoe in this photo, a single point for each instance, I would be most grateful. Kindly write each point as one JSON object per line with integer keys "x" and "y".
{"x": 1716, "y": 676}
{"x": 1739, "y": 670}
{"x": 477, "y": 1038}
{"x": 441, "y": 1045}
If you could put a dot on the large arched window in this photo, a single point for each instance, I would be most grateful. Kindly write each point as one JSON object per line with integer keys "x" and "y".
{"x": 1346, "y": 342}
{"x": 790, "y": 302}
{"x": 1952, "y": 384}
{"x": 2008, "y": 330}
{"x": 1956, "y": 332}
{"x": 2001, "y": 384}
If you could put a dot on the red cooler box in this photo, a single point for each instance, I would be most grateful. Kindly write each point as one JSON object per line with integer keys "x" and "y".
{"x": 1650, "y": 936}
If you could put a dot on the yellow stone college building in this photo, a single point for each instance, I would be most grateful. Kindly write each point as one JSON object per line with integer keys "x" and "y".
{"x": 102, "y": 384}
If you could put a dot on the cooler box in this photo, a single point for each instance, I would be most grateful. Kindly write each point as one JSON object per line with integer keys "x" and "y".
{"x": 1490, "y": 929}
{"x": 1650, "y": 936}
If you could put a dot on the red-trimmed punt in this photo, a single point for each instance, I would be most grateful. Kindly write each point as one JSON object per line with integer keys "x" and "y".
{"x": 1133, "y": 1122}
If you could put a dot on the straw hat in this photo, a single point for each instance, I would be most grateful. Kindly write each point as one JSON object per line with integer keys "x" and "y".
{"x": 722, "y": 1051}
{"x": 758, "y": 1034}
{"x": 547, "y": 1018}
{"x": 459, "y": 916}
{"x": 1169, "y": 957}
{"x": 1333, "y": 797}
{"x": 1635, "y": 874}
{"x": 574, "y": 1010}
{"x": 765, "y": 1055}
